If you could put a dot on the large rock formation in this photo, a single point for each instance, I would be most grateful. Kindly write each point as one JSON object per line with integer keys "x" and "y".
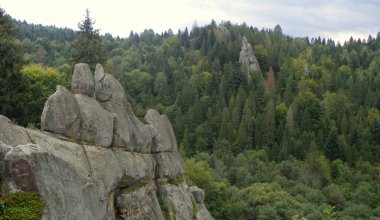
{"x": 248, "y": 59}
{"x": 95, "y": 159}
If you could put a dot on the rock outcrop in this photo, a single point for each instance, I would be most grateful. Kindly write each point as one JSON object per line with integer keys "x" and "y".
{"x": 94, "y": 159}
{"x": 248, "y": 59}
{"x": 83, "y": 81}
{"x": 61, "y": 114}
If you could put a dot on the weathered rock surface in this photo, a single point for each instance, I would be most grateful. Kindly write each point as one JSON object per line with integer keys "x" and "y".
{"x": 135, "y": 167}
{"x": 130, "y": 133}
{"x": 106, "y": 172}
{"x": 97, "y": 161}
{"x": 203, "y": 213}
{"x": 96, "y": 124}
{"x": 199, "y": 194}
{"x": 248, "y": 59}
{"x": 170, "y": 165}
{"x": 12, "y": 135}
{"x": 179, "y": 202}
{"x": 163, "y": 135}
{"x": 102, "y": 85}
{"x": 60, "y": 172}
{"x": 61, "y": 114}
{"x": 83, "y": 81}
{"x": 140, "y": 203}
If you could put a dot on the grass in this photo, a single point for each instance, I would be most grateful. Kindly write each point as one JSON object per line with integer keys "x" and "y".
{"x": 21, "y": 205}
{"x": 176, "y": 181}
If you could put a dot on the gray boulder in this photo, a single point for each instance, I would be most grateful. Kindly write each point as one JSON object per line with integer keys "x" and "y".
{"x": 178, "y": 200}
{"x": 105, "y": 169}
{"x": 96, "y": 124}
{"x": 203, "y": 213}
{"x": 135, "y": 167}
{"x": 83, "y": 81}
{"x": 103, "y": 90}
{"x": 59, "y": 171}
{"x": 170, "y": 165}
{"x": 140, "y": 203}
{"x": 199, "y": 194}
{"x": 99, "y": 73}
{"x": 11, "y": 135}
{"x": 61, "y": 114}
{"x": 130, "y": 133}
{"x": 81, "y": 177}
{"x": 164, "y": 138}
{"x": 114, "y": 88}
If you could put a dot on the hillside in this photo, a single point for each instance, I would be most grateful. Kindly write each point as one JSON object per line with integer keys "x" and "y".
{"x": 273, "y": 127}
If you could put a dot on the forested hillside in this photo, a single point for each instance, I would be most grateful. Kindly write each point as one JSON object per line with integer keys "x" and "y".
{"x": 298, "y": 139}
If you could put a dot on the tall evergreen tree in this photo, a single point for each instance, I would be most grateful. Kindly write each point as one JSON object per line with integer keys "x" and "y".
{"x": 88, "y": 48}
{"x": 13, "y": 85}
{"x": 332, "y": 148}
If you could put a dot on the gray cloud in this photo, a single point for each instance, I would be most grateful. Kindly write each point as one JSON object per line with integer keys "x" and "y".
{"x": 338, "y": 19}
{"x": 307, "y": 17}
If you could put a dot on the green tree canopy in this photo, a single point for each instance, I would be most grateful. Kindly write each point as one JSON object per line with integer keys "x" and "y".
{"x": 13, "y": 85}
{"x": 89, "y": 47}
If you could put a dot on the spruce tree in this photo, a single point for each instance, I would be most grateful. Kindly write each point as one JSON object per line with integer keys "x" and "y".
{"x": 332, "y": 149}
{"x": 13, "y": 86}
{"x": 88, "y": 48}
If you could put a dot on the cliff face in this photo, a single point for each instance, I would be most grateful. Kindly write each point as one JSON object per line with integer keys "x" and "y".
{"x": 248, "y": 59}
{"x": 95, "y": 159}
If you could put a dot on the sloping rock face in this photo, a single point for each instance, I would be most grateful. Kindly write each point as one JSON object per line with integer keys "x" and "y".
{"x": 248, "y": 59}
{"x": 94, "y": 159}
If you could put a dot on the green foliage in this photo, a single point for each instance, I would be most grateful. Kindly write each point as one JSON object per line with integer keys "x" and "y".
{"x": 43, "y": 82}
{"x": 21, "y": 205}
{"x": 262, "y": 56}
{"x": 176, "y": 181}
{"x": 267, "y": 201}
{"x": 329, "y": 214}
{"x": 13, "y": 86}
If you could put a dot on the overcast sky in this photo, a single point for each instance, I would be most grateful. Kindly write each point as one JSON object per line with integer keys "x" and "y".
{"x": 337, "y": 19}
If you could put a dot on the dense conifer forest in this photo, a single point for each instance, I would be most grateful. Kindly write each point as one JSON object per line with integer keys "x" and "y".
{"x": 299, "y": 139}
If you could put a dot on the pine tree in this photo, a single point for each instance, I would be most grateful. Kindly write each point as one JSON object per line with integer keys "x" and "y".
{"x": 13, "y": 86}
{"x": 89, "y": 47}
{"x": 332, "y": 149}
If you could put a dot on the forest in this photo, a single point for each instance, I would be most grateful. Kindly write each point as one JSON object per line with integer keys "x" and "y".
{"x": 299, "y": 139}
